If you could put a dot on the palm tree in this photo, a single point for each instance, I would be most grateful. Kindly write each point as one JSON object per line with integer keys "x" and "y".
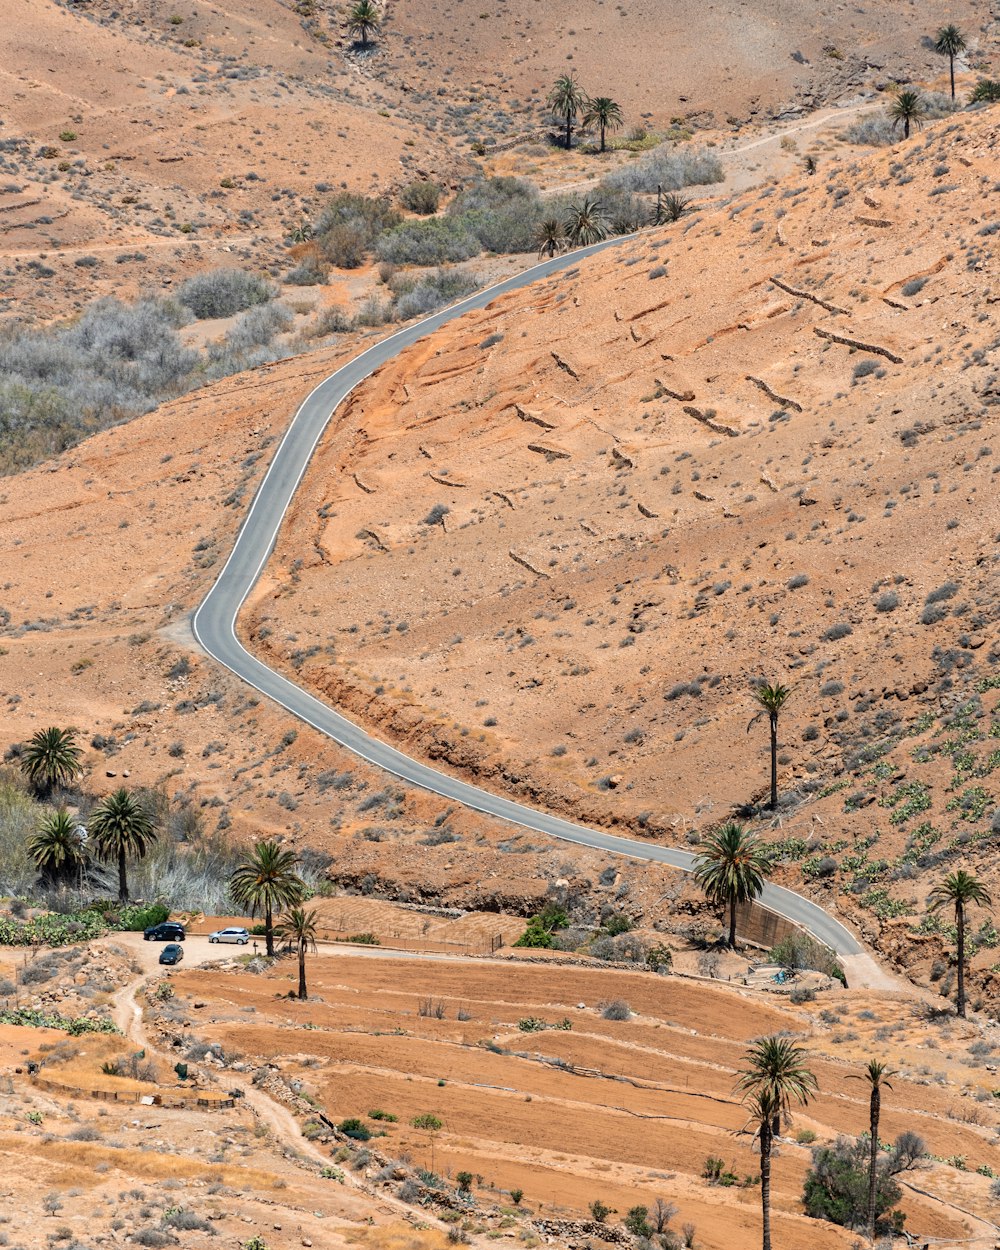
{"x": 669, "y": 208}
{"x": 267, "y": 881}
{"x": 959, "y": 889}
{"x": 58, "y": 848}
{"x": 586, "y": 223}
{"x": 363, "y": 21}
{"x": 908, "y": 109}
{"x": 299, "y": 926}
{"x": 771, "y": 699}
{"x": 731, "y": 868}
{"x": 51, "y": 759}
{"x": 551, "y": 237}
{"x": 605, "y": 113}
{"x": 986, "y": 91}
{"x": 775, "y": 1076}
{"x": 877, "y": 1075}
{"x": 950, "y": 41}
{"x": 123, "y": 829}
{"x": 566, "y": 99}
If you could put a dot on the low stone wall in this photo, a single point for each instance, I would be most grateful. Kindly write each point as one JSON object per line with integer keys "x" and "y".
{"x": 162, "y": 1098}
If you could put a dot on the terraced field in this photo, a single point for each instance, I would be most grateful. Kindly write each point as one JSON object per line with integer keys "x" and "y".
{"x": 626, "y": 1111}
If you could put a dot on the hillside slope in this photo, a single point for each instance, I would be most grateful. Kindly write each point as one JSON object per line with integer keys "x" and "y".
{"x": 555, "y": 550}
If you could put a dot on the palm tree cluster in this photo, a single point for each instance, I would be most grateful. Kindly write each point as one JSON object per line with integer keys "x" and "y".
{"x": 777, "y": 1077}
{"x": 121, "y": 827}
{"x": 733, "y": 864}
{"x": 583, "y": 224}
{"x": 267, "y": 882}
{"x": 567, "y": 100}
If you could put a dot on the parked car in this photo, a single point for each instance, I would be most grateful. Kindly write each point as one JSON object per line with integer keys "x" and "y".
{"x": 169, "y": 931}
{"x": 172, "y": 953}
{"x": 233, "y": 934}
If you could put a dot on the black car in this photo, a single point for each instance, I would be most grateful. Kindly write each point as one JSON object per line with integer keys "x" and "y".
{"x": 169, "y": 931}
{"x": 172, "y": 953}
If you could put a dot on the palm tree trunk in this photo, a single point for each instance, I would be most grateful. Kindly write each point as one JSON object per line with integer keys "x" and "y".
{"x": 906, "y": 128}
{"x": 303, "y": 995}
{"x": 732, "y": 922}
{"x": 951, "y": 64}
{"x": 765, "y": 1183}
{"x": 122, "y": 878}
{"x": 268, "y": 930}
{"x": 960, "y": 919}
{"x": 602, "y": 135}
{"x": 774, "y": 761}
{"x": 873, "y": 1160}
{"x": 569, "y": 130}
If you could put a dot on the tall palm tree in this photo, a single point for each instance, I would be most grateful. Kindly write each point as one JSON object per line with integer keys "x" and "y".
{"x": 908, "y": 109}
{"x": 950, "y": 41}
{"x": 586, "y": 223}
{"x": 363, "y": 21}
{"x": 51, "y": 759}
{"x": 551, "y": 237}
{"x": 958, "y": 890}
{"x": 771, "y": 698}
{"x": 299, "y": 926}
{"x": 776, "y": 1075}
{"x": 58, "y": 849}
{"x": 731, "y": 868}
{"x": 877, "y": 1075}
{"x": 267, "y": 882}
{"x": 123, "y": 829}
{"x": 566, "y": 99}
{"x": 605, "y": 113}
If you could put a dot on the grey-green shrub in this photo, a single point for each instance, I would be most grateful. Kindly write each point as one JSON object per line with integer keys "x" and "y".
{"x": 349, "y": 226}
{"x": 418, "y": 298}
{"x": 436, "y": 241}
{"x": 223, "y": 292}
{"x": 667, "y": 168}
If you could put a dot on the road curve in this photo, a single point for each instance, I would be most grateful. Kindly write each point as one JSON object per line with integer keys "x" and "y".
{"x": 214, "y": 622}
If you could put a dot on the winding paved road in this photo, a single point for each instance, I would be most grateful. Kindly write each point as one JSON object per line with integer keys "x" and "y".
{"x": 214, "y": 623}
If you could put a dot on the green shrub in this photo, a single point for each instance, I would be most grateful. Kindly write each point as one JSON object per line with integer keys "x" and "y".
{"x": 427, "y": 1121}
{"x": 421, "y": 197}
{"x": 356, "y": 1129}
{"x": 637, "y": 1223}
{"x": 531, "y": 1024}
{"x": 836, "y": 1186}
{"x": 29, "y": 1018}
{"x": 542, "y": 927}
{"x": 133, "y": 917}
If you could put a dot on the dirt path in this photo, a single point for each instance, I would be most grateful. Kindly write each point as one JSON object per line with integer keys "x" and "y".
{"x": 284, "y": 1128}
{"x": 825, "y": 119}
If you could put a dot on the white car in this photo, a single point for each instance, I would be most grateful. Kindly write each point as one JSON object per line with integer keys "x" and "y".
{"x": 233, "y": 934}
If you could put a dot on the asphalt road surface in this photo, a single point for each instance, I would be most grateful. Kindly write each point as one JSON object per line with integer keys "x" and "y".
{"x": 214, "y": 623}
